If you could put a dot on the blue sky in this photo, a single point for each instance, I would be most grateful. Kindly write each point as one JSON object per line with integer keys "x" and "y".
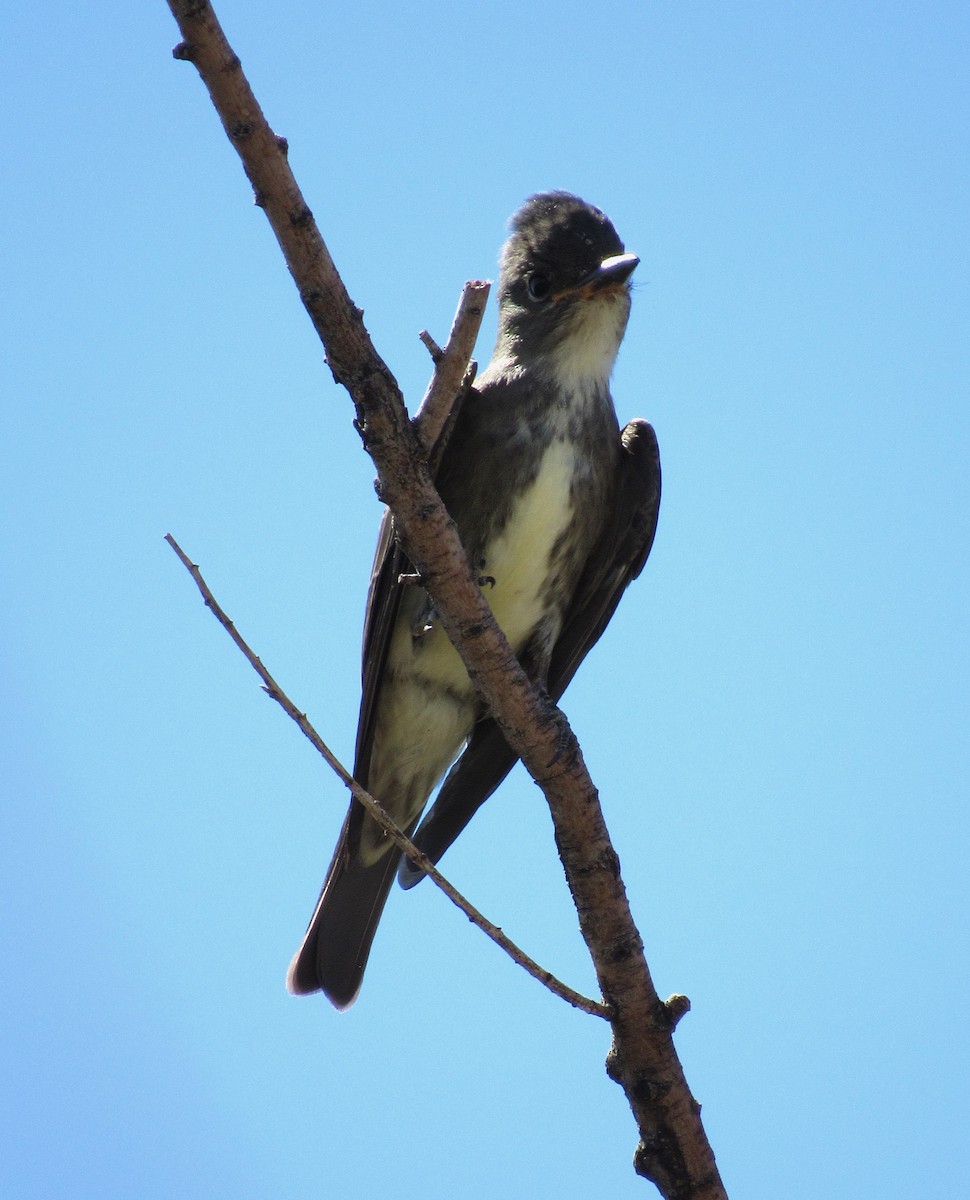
{"x": 777, "y": 718}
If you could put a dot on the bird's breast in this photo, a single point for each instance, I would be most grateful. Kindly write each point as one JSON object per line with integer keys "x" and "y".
{"x": 520, "y": 556}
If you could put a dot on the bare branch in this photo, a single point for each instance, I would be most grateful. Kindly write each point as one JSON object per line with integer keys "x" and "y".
{"x": 377, "y": 810}
{"x": 673, "y": 1150}
{"x": 452, "y": 372}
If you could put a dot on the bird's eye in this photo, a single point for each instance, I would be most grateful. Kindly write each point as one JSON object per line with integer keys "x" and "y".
{"x": 538, "y": 286}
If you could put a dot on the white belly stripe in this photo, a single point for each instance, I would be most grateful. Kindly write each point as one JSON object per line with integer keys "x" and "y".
{"x": 517, "y": 559}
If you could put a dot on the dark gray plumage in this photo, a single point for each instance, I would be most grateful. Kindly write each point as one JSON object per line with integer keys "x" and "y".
{"x": 557, "y": 511}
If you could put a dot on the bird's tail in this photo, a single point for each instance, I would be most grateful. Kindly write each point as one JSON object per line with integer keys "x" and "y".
{"x": 337, "y": 942}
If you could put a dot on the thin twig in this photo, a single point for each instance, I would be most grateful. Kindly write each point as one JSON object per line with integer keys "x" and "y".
{"x": 377, "y": 811}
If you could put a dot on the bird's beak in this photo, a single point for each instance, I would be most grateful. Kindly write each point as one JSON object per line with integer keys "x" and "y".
{"x": 610, "y": 274}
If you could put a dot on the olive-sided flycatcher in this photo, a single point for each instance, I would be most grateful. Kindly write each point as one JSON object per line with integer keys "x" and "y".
{"x": 556, "y": 509}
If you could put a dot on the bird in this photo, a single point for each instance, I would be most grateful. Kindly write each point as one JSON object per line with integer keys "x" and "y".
{"x": 556, "y": 508}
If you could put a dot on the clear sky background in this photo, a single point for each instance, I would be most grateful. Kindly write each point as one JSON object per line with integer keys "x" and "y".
{"x": 777, "y": 718}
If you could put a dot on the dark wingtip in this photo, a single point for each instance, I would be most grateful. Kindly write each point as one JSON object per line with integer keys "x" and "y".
{"x": 408, "y": 874}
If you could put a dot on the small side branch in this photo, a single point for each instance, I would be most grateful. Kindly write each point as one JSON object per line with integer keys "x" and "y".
{"x": 452, "y": 373}
{"x": 377, "y": 811}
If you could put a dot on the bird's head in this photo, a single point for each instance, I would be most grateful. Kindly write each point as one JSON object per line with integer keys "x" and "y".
{"x": 564, "y": 290}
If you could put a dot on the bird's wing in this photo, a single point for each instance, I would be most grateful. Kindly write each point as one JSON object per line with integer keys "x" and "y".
{"x": 616, "y": 562}
{"x": 383, "y": 600}
{"x": 620, "y": 556}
